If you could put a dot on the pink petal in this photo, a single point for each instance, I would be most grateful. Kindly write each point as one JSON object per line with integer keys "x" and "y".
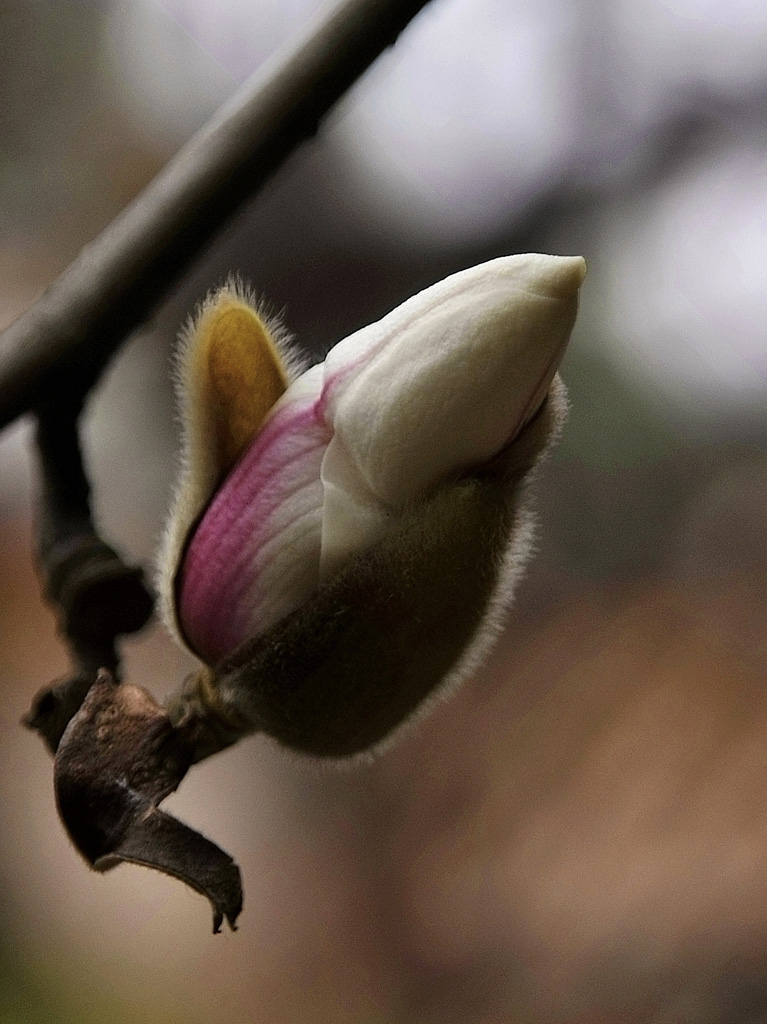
{"x": 255, "y": 554}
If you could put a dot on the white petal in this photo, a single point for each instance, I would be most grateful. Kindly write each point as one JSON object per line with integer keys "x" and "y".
{"x": 440, "y": 384}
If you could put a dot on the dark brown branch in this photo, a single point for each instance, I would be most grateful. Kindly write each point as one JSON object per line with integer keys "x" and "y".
{"x": 97, "y": 596}
{"x": 112, "y": 287}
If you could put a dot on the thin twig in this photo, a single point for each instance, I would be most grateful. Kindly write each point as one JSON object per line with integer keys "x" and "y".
{"x": 112, "y": 287}
{"x": 97, "y": 596}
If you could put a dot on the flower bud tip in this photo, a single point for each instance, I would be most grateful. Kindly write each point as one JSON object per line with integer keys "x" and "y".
{"x": 565, "y": 275}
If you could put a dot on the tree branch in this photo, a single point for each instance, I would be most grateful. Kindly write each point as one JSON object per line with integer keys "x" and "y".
{"x": 64, "y": 340}
{"x": 97, "y": 596}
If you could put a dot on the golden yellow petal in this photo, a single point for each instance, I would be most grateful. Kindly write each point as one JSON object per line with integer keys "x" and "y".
{"x": 239, "y": 373}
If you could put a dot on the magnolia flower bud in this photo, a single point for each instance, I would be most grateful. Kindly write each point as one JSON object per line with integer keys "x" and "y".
{"x": 370, "y": 504}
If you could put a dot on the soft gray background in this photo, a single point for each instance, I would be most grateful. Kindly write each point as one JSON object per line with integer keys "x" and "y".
{"x": 580, "y": 834}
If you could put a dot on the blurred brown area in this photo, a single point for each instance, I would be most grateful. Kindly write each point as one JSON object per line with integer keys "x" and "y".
{"x": 577, "y": 835}
{"x": 591, "y": 844}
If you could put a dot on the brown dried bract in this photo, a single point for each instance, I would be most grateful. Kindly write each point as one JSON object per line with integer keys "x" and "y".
{"x": 119, "y": 757}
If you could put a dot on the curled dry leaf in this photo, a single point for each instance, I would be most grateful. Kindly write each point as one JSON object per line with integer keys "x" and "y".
{"x": 119, "y": 757}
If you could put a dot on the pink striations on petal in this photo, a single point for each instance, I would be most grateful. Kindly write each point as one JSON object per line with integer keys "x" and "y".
{"x": 273, "y": 490}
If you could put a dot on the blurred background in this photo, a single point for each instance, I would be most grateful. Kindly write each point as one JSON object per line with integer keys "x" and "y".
{"x": 580, "y": 834}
